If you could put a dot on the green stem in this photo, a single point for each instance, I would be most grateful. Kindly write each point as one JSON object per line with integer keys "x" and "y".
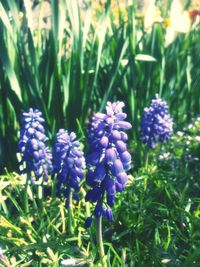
{"x": 100, "y": 242}
{"x": 146, "y": 162}
{"x": 146, "y": 158}
{"x": 70, "y": 215}
{"x": 40, "y": 197}
{"x": 26, "y": 208}
{"x": 88, "y": 214}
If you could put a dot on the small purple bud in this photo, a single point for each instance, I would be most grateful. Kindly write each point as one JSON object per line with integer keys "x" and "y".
{"x": 125, "y": 157}
{"x": 90, "y": 179}
{"x": 69, "y": 161}
{"x": 104, "y": 141}
{"x": 74, "y": 184}
{"x": 110, "y": 155}
{"x": 34, "y": 144}
{"x": 41, "y": 145}
{"x": 98, "y": 211}
{"x": 121, "y": 146}
{"x": 124, "y": 136}
{"x": 99, "y": 173}
{"x": 31, "y": 131}
{"x": 72, "y": 136}
{"x": 94, "y": 158}
{"x": 110, "y": 200}
{"x": 116, "y": 135}
{"x": 100, "y": 116}
{"x": 122, "y": 178}
{"x": 76, "y": 152}
{"x": 117, "y": 167}
{"x": 109, "y": 214}
{"x": 124, "y": 125}
{"x": 88, "y": 222}
{"x": 40, "y": 136}
{"x": 121, "y": 116}
{"x": 110, "y": 120}
{"x": 119, "y": 187}
{"x": 77, "y": 172}
{"x": 78, "y": 162}
{"x": 110, "y": 186}
{"x": 93, "y": 195}
{"x": 35, "y": 124}
{"x": 76, "y": 144}
{"x": 36, "y": 155}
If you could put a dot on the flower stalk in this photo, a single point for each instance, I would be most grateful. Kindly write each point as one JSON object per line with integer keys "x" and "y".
{"x": 100, "y": 241}
{"x": 70, "y": 214}
{"x": 40, "y": 197}
{"x": 25, "y": 196}
{"x": 146, "y": 158}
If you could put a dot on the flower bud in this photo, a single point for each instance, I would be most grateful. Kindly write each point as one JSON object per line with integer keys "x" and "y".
{"x": 109, "y": 214}
{"x": 88, "y": 222}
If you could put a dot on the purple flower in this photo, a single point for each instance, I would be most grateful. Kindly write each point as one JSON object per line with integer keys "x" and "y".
{"x": 35, "y": 154}
{"x": 156, "y": 123}
{"x": 69, "y": 163}
{"x": 108, "y": 158}
{"x": 88, "y": 222}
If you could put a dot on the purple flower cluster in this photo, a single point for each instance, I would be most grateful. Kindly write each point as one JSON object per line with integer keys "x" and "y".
{"x": 69, "y": 163}
{"x": 156, "y": 124}
{"x": 35, "y": 154}
{"x": 108, "y": 158}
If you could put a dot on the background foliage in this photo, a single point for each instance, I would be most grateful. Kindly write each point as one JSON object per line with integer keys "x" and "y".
{"x": 72, "y": 68}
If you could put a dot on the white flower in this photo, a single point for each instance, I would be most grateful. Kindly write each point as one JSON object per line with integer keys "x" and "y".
{"x": 164, "y": 156}
{"x": 190, "y": 126}
{"x": 73, "y": 262}
{"x": 151, "y": 15}
{"x": 180, "y": 22}
{"x": 179, "y": 133}
{"x": 197, "y": 138}
{"x": 1, "y": 251}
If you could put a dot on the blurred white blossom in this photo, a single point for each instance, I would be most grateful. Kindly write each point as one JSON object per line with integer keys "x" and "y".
{"x": 164, "y": 156}
{"x": 179, "y": 22}
{"x": 151, "y": 15}
{"x": 179, "y": 133}
{"x": 197, "y": 138}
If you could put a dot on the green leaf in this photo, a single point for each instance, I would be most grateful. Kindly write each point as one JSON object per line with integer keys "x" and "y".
{"x": 142, "y": 57}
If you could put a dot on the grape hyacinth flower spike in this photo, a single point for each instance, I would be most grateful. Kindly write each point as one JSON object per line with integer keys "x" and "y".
{"x": 69, "y": 165}
{"x": 108, "y": 161}
{"x": 35, "y": 154}
{"x": 156, "y": 123}
{"x": 69, "y": 162}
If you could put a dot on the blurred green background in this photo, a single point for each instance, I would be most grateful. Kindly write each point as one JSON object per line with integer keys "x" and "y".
{"x": 68, "y": 60}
